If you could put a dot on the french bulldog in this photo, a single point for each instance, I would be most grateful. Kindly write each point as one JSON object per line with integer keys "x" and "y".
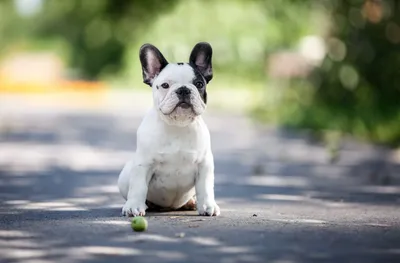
{"x": 173, "y": 166}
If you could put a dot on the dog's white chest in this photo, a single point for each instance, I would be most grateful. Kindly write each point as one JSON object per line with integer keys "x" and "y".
{"x": 177, "y": 169}
{"x": 176, "y": 157}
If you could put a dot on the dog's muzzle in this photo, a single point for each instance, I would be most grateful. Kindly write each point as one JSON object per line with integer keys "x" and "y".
{"x": 183, "y": 94}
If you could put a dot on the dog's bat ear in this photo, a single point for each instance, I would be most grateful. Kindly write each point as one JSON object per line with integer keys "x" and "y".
{"x": 201, "y": 59}
{"x": 152, "y": 63}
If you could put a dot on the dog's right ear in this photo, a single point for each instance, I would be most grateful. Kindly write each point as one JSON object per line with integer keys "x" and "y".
{"x": 152, "y": 63}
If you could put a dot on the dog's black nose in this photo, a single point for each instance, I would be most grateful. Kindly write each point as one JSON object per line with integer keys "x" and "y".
{"x": 183, "y": 91}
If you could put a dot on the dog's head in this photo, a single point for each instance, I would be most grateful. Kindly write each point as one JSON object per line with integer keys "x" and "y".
{"x": 179, "y": 89}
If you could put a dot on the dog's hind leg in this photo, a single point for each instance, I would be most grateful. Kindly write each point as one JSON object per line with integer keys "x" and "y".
{"x": 190, "y": 205}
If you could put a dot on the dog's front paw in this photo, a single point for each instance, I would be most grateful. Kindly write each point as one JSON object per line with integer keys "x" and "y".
{"x": 208, "y": 209}
{"x": 134, "y": 208}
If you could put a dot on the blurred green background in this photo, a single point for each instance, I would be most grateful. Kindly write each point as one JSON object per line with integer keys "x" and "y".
{"x": 324, "y": 65}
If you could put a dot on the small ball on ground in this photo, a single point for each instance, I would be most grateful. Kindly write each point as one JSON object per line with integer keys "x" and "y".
{"x": 139, "y": 224}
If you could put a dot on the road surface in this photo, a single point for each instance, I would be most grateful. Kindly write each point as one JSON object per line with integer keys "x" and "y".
{"x": 282, "y": 201}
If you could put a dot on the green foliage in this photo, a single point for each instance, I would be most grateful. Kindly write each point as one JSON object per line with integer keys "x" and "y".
{"x": 241, "y": 32}
{"x": 357, "y": 87}
{"x": 102, "y": 37}
{"x": 237, "y": 38}
{"x": 99, "y": 31}
{"x": 10, "y": 28}
{"x": 96, "y": 31}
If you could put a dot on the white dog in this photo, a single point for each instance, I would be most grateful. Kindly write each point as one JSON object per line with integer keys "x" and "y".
{"x": 173, "y": 166}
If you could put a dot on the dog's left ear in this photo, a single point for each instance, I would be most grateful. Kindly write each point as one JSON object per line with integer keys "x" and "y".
{"x": 152, "y": 63}
{"x": 200, "y": 58}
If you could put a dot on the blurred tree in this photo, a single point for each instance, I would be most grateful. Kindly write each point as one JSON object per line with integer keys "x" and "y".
{"x": 357, "y": 87}
{"x": 97, "y": 31}
{"x": 360, "y": 81}
{"x": 8, "y": 24}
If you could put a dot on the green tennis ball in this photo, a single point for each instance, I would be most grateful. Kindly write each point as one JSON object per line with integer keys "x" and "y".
{"x": 139, "y": 224}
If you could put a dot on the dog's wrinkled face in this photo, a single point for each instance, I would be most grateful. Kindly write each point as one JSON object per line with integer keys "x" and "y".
{"x": 179, "y": 89}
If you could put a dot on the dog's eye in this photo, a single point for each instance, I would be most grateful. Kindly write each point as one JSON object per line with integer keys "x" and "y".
{"x": 199, "y": 85}
{"x": 165, "y": 85}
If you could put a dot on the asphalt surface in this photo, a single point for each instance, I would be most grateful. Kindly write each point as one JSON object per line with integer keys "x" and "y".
{"x": 281, "y": 198}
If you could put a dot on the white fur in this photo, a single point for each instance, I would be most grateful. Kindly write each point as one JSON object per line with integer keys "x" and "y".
{"x": 173, "y": 160}
{"x": 176, "y": 76}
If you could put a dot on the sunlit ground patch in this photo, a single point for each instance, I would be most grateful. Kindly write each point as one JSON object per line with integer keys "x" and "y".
{"x": 301, "y": 221}
{"x": 107, "y": 250}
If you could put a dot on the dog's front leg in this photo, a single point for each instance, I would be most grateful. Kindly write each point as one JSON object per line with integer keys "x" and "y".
{"x": 206, "y": 204}
{"x": 139, "y": 178}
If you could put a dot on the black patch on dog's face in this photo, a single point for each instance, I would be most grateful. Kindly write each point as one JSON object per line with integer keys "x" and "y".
{"x": 198, "y": 77}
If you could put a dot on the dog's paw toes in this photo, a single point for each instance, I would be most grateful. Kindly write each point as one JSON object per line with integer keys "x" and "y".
{"x": 211, "y": 209}
{"x": 133, "y": 212}
{"x": 132, "y": 208}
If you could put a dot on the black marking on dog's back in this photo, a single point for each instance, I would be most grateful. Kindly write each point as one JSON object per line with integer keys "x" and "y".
{"x": 180, "y": 64}
{"x": 198, "y": 77}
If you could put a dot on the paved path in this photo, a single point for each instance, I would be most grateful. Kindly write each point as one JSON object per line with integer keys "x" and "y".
{"x": 281, "y": 198}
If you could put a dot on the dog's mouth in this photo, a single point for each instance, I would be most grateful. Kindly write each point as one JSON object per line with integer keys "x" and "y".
{"x": 183, "y": 105}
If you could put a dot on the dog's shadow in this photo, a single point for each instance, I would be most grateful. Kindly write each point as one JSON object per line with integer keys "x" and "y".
{"x": 172, "y": 213}
{"x": 181, "y": 212}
